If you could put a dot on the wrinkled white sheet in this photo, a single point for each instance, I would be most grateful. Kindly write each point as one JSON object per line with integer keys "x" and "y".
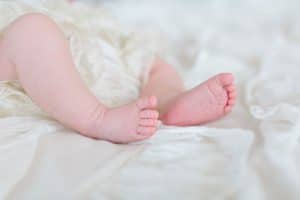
{"x": 253, "y": 153}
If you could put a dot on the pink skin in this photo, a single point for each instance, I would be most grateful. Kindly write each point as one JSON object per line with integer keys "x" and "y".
{"x": 207, "y": 102}
{"x": 51, "y": 80}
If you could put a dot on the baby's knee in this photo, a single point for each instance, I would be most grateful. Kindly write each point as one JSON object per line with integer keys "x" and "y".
{"x": 32, "y": 25}
{"x": 36, "y": 20}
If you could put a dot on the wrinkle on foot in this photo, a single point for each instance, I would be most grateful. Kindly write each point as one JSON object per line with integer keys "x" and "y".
{"x": 207, "y": 102}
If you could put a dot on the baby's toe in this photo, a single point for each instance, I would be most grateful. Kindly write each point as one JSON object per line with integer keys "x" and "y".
{"x": 231, "y": 88}
{"x": 225, "y": 79}
{"x": 231, "y": 91}
{"x": 148, "y": 122}
{"x": 231, "y": 102}
{"x": 149, "y": 114}
{"x": 146, "y": 131}
{"x": 147, "y": 102}
{"x": 232, "y": 95}
{"x": 227, "y": 109}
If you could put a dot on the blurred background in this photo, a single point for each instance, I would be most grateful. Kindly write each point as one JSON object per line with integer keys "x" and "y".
{"x": 253, "y": 153}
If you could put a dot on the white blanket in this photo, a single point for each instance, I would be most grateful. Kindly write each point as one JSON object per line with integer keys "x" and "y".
{"x": 253, "y": 153}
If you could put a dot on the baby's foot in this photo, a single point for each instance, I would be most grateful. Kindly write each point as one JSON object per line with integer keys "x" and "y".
{"x": 133, "y": 122}
{"x": 207, "y": 102}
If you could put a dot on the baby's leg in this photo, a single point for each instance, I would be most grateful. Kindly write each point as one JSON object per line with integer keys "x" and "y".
{"x": 42, "y": 62}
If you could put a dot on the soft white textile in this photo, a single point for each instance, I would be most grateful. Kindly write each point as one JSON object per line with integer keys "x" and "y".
{"x": 251, "y": 154}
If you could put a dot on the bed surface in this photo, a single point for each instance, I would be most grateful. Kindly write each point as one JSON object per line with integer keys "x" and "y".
{"x": 253, "y": 153}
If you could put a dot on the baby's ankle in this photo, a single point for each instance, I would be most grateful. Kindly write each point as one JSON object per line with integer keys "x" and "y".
{"x": 95, "y": 123}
